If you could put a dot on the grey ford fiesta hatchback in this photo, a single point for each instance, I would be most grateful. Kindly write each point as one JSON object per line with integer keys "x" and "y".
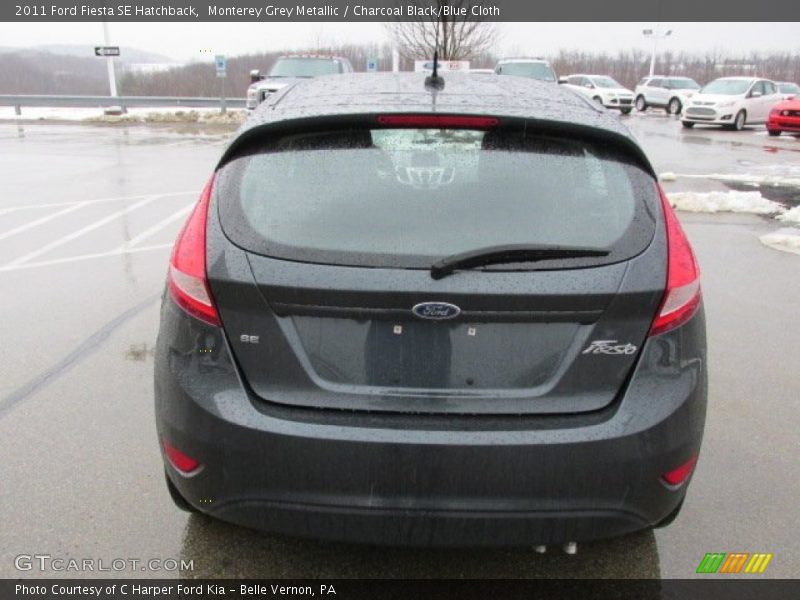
{"x": 455, "y": 317}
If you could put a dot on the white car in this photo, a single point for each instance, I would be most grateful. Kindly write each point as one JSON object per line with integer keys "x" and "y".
{"x": 788, "y": 90}
{"x": 534, "y": 68}
{"x": 732, "y": 102}
{"x": 602, "y": 89}
{"x": 670, "y": 93}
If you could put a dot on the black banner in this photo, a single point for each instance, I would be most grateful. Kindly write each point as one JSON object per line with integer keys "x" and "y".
{"x": 397, "y": 10}
{"x": 727, "y": 587}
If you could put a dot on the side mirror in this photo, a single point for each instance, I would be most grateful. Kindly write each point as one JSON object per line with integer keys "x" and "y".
{"x": 756, "y": 94}
{"x": 563, "y": 80}
{"x": 255, "y": 75}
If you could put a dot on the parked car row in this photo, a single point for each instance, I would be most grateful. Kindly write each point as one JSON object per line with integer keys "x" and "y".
{"x": 732, "y": 102}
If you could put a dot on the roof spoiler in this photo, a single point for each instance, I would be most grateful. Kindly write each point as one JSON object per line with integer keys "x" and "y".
{"x": 255, "y": 135}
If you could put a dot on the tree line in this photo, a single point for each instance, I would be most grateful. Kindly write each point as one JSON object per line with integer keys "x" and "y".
{"x": 627, "y": 67}
{"x": 60, "y": 74}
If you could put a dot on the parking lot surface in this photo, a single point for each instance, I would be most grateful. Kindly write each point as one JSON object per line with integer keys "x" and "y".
{"x": 87, "y": 217}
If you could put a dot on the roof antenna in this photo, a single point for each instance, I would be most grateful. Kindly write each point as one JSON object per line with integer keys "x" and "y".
{"x": 434, "y": 81}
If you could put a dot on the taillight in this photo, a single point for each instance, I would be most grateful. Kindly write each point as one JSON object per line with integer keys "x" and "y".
{"x": 438, "y": 121}
{"x": 182, "y": 463}
{"x": 187, "y": 279}
{"x": 682, "y": 296}
{"x": 680, "y": 474}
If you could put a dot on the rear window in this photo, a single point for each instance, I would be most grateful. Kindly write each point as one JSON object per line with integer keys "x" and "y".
{"x": 305, "y": 67}
{"x": 409, "y": 197}
{"x": 534, "y": 70}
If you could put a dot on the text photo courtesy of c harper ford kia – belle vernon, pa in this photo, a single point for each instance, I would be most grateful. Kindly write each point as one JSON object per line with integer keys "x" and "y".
{"x": 421, "y": 299}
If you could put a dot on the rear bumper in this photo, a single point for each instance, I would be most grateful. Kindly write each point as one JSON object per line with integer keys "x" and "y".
{"x": 426, "y": 480}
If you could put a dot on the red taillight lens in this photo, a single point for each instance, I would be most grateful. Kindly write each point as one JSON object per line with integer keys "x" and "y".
{"x": 179, "y": 460}
{"x": 681, "y": 474}
{"x": 437, "y": 121}
{"x": 187, "y": 269}
{"x": 682, "y": 296}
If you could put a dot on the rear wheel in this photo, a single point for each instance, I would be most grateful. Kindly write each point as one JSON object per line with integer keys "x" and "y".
{"x": 674, "y": 106}
{"x": 687, "y": 124}
{"x": 740, "y": 120}
{"x": 641, "y": 105}
{"x": 179, "y": 500}
{"x": 773, "y": 132}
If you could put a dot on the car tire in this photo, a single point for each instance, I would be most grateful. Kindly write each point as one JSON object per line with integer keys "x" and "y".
{"x": 177, "y": 498}
{"x": 687, "y": 124}
{"x": 626, "y": 111}
{"x": 670, "y": 517}
{"x": 739, "y": 121}
{"x": 773, "y": 132}
{"x": 641, "y": 104}
{"x": 674, "y": 106}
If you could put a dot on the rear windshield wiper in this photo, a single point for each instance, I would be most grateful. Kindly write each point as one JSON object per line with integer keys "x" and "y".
{"x": 510, "y": 253}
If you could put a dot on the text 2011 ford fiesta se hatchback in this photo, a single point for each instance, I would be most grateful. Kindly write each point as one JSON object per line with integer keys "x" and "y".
{"x": 455, "y": 317}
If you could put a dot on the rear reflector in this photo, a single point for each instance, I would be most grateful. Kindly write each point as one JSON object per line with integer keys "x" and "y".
{"x": 679, "y": 475}
{"x": 186, "y": 279}
{"x": 185, "y": 464}
{"x": 682, "y": 296}
{"x": 437, "y": 121}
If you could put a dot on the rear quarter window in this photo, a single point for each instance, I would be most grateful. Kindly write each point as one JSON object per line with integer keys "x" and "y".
{"x": 408, "y": 197}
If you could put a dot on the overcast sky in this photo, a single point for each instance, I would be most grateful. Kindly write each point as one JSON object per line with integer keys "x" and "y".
{"x": 188, "y": 41}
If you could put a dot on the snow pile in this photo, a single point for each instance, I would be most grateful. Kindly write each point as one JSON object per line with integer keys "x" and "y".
{"x": 778, "y": 176}
{"x": 730, "y": 201}
{"x": 791, "y": 215}
{"x": 233, "y": 117}
{"x": 786, "y": 240}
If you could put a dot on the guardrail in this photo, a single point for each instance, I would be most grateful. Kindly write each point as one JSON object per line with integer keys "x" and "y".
{"x": 124, "y": 102}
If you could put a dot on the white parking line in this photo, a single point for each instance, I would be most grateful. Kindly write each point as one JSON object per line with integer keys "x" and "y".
{"x": 69, "y": 259}
{"x": 95, "y": 201}
{"x": 76, "y": 234}
{"x": 155, "y": 228}
{"x": 44, "y": 219}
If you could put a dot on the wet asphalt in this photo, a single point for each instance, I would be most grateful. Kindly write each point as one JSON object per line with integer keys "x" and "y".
{"x": 87, "y": 214}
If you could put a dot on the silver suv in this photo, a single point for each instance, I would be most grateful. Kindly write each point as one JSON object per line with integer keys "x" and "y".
{"x": 670, "y": 93}
{"x": 288, "y": 69}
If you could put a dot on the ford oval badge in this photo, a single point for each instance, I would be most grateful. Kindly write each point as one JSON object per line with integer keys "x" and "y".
{"x": 438, "y": 311}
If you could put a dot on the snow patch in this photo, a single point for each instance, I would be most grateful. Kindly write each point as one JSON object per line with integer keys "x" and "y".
{"x": 780, "y": 176}
{"x": 786, "y": 240}
{"x": 729, "y": 201}
{"x": 234, "y": 117}
{"x": 668, "y": 176}
{"x": 791, "y": 216}
{"x": 173, "y": 114}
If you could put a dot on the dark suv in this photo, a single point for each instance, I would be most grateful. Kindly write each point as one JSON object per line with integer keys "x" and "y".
{"x": 402, "y": 315}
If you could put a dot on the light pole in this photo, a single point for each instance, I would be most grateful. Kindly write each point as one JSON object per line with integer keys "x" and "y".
{"x": 656, "y": 35}
{"x": 112, "y": 80}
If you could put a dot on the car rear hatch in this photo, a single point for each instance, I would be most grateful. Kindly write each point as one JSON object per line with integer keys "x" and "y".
{"x": 322, "y": 242}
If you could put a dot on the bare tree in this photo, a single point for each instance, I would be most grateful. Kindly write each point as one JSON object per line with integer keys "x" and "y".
{"x": 458, "y": 37}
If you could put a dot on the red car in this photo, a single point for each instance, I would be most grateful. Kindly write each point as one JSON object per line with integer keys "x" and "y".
{"x": 785, "y": 116}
